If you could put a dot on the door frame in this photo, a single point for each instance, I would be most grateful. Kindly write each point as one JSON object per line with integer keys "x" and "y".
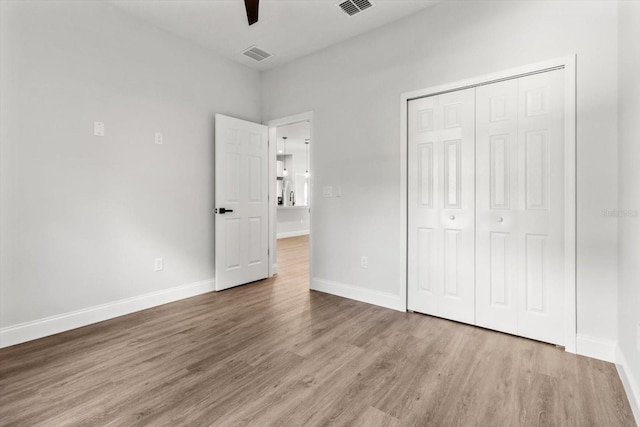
{"x": 273, "y": 211}
{"x": 570, "y": 142}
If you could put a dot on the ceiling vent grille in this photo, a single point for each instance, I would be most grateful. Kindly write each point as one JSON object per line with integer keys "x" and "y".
{"x": 257, "y": 54}
{"x": 351, "y": 7}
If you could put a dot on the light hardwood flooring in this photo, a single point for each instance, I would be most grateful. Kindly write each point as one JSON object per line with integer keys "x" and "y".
{"x": 274, "y": 353}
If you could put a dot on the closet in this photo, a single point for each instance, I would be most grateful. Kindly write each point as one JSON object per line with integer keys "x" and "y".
{"x": 486, "y": 205}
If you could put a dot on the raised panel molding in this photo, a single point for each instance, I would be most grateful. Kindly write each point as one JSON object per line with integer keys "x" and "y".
{"x": 255, "y": 140}
{"x": 425, "y": 120}
{"x": 452, "y": 173}
{"x": 535, "y": 277}
{"x": 536, "y": 166}
{"x": 255, "y": 174}
{"x": 232, "y": 243}
{"x": 497, "y": 109}
{"x": 425, "y": 242}
{"x": 255, "y": 233}
{"x": 233, "y": 136}
{"x": 499, "y": 172}
{"x": 452, "y": 116}
{"x": 451, "y": 261}
{"x": 537, "y": 102}
{"x": 425, "y": 175}
{"x": 233, "y": 177}
{"x": 498, "y": 267}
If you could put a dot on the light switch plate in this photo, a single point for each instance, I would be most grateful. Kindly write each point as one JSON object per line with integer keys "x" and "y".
{"x": 158, "y": 138}
{"x": 158, "y": 264}
{"x": 327, "y": 191}
{"x": 98, "y": 128}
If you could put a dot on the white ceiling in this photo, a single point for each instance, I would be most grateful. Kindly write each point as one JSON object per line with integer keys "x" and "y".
{"x": 296, "y": 134}
{"x": 288, "y": 29}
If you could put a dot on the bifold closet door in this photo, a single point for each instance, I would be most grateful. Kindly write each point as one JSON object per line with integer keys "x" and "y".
{"x": 441, "y": 219}
{"x": 520, "y": 206}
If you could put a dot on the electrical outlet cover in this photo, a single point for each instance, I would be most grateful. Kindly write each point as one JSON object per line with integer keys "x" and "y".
{"x": 98, "y": 128}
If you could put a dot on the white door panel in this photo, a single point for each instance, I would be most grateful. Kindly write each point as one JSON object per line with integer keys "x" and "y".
{"x": 441, "y": 216}
{"x": 541, "y": 204}
{"x": 496, "y": 205}
{"x": 425, "y": 269}
{"x": 486, "y": 206}
{"x": 519, "y": 206}
{"x": 241, "y": 239}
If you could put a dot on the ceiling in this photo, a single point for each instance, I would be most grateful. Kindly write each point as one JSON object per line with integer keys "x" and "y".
{"x": 288, "y": 29}
{"x": 296, "y": 134}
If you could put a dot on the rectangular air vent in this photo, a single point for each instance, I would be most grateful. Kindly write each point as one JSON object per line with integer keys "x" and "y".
{"x": 257, "y": 54}
{"x": 351, "y": 7}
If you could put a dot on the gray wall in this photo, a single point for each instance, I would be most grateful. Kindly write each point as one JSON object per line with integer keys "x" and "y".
{"x": 629, "y": 173}
{"x": 354, "y": 90}
{"x": 82, "y": 218}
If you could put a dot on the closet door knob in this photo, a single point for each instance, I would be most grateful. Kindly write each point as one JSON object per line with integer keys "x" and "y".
{"x": 500, "y": 219}
{"x": 452, "y": 217}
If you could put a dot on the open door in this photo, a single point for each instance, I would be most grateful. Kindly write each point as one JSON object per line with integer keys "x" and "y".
{"x": 241, "y": 202}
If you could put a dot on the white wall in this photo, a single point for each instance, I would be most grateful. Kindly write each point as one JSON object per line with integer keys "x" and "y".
{"x": 83, "y": 217}
{"x": 354, "y": 90}
{"x": 629, "y": 194}
{"x": 292, "y": 221}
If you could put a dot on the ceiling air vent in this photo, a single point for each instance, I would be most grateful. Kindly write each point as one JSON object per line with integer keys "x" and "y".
{"x": 256, "y": 54}
{"x": 351, "y": 7}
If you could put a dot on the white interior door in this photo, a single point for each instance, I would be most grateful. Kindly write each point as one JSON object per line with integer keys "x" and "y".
{"x": 241, "y": 200}
{"x": 441, "y": 205}
{"x": 520, "y": 206}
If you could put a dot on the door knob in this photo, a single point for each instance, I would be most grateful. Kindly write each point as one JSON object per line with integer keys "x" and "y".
{"x": 500, "y": 219}
{"x": 452, "y": 217}
{"x": 223, "y": 210}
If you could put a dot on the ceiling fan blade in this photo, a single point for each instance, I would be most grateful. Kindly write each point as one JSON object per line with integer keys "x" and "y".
{"x": 252, "y": 10}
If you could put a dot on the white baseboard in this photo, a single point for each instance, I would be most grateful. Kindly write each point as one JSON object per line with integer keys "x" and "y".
{"x": 286, "y": 234}
{"x": 631, "y": 385}
{"x": 40, "y": 328}
{"x": 357, "y": 293}
{"x": 597, "y": 348}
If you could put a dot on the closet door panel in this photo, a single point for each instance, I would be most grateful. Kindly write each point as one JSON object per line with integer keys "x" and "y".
{"x": 424, "y": 195}
{"x": 541, "y": 203}
{"x": 457, "y": 217}
{"x": 496, "y": 205}
{"x": 441, "y": 219}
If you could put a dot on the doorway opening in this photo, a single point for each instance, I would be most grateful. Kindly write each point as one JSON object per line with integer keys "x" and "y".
{"x": 290, "y": 148}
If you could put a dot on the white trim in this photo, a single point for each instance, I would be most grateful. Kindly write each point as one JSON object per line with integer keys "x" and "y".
{"x": 286, "y": 234}
{"x": 383, "y": 299}
{"x": 631, "y": 386}
{"x": 290, "y": 120}
{"x": 570, "y": 223}
{"x": 272, "y": 124}
{"x": 273, "y": 200}
{"x": 597, "y": 348}
{"x": 40, "y": 328}
{"x": 569, "y": 64}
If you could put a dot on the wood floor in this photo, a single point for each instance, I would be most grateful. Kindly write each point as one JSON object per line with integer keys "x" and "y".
{"x": 274, "y": 353}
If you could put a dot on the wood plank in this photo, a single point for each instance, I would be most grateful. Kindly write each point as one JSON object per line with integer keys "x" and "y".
{"x": 275, "y": 353}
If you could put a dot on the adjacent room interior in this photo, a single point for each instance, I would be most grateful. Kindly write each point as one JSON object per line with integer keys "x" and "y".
{"x": 306, "y": 213}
